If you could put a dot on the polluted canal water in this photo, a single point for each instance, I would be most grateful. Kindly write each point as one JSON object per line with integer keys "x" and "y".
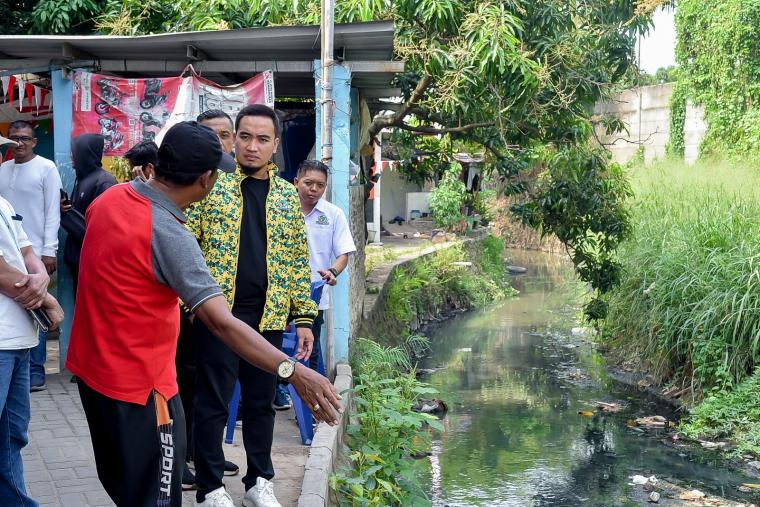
{"x": 520, "y": 386}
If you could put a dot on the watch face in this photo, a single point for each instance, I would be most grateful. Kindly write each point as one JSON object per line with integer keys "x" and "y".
{"x": 285, "y": 369}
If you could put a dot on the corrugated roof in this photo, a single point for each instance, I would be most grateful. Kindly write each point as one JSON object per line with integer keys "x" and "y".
{"x": 287, "y": 50}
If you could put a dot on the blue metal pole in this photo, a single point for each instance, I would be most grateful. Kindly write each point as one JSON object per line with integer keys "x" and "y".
{"x": 339, "y": 181}
{"x": 62, "y": 125}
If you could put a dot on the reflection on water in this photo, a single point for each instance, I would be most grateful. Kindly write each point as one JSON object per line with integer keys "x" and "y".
{"x": 516, "y": 379}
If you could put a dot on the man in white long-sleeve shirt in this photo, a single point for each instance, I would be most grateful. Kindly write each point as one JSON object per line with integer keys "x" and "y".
{"x": 32, "y": 185}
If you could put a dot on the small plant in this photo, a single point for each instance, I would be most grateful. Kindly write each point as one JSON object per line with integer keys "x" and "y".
{"x": 385, "y": 432}
{"x": 733, "y": 414}
{"x": 378, "y": 256}
{"x": 385, "y": 435}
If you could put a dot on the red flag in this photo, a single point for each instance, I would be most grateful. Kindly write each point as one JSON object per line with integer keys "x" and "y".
{"x": 11, "y": 88}
{"x": 29, "y": 93}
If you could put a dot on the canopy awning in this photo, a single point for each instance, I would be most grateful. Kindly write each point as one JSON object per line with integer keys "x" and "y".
{"x": 223, "y": 56}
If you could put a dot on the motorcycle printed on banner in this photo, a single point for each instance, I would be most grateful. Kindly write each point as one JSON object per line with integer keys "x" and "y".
{"x": 128, "y": 111}
{"x": 123, "y": 111}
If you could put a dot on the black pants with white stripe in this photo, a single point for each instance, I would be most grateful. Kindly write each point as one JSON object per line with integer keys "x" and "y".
{"x": 131, "y": 462}
{"x": 218, "y": 368}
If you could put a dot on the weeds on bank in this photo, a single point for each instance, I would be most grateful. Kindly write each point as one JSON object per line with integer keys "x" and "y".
{"x": 384, "y": 432}
{"x": 689, "y": 300}
{"x": 378, "y": 256}
{"x": 429, "y": 284}
{"x": 733, "y": 415}
{"x": 688, "y": 306}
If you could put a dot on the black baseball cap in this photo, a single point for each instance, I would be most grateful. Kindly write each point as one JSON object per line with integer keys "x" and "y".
{"x": 191, "y": 148}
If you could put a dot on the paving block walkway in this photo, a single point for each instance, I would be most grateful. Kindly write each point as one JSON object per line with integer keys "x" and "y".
{"x": 60, "y": 469}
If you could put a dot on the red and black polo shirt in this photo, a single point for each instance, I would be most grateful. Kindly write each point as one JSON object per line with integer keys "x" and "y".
{"x": 137, "y": 261}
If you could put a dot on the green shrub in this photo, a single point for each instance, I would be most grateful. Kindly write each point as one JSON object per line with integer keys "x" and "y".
{"x": 484, "y": 204}
{"x": 447, "y": 198}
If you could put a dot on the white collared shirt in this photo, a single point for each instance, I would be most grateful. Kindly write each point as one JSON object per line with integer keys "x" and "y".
{"x": 18, "y": 330}
{"x": 329, "y": 237}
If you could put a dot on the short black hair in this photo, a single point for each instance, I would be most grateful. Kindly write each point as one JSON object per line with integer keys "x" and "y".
{"x": 259, "y": 110}
{"x": 142, "y": 154}
{"x": 183, "y": 179}
{"x": 210, "y": 114}
{"x": 312, "y": 165}
{"x": 20, "y": 124}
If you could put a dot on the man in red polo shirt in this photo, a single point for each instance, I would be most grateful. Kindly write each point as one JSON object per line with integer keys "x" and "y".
{"x": 137, "y": 261}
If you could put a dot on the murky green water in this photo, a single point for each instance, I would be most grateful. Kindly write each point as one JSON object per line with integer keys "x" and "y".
{"x": 516, "y": 380}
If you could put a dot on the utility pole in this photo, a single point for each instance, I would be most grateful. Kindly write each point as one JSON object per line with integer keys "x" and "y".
{"x": 328, "y": 113}
{"x": 326, "y": 100}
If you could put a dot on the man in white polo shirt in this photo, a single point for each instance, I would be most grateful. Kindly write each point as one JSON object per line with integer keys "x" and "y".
{"x": 328, "y": 235}
{"x": 23, "y": 285}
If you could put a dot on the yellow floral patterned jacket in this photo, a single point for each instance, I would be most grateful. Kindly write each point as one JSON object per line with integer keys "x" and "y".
{"x": 216, "y": 221}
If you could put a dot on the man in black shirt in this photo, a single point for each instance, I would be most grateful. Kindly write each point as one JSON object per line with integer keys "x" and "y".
{"x": 253, "y": 236}
{"x": 220, "y": 122}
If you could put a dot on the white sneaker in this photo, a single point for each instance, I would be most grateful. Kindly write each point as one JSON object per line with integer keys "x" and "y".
{"x": 261, "y": 495}
{"x": 217, "y": 498}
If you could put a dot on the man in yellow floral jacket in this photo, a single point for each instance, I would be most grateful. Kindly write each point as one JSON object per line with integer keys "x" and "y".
{"x": 252, "y": 233}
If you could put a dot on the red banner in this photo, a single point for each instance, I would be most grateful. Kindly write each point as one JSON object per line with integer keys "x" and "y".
{"x": 128, "y": 111}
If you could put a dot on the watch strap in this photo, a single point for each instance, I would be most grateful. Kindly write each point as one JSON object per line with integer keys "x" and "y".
{"x": 333, "y": 271}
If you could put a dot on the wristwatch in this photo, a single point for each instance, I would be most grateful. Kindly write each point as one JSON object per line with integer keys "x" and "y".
{"x": 333, "y": 271}
{"x": 286, "y": 368}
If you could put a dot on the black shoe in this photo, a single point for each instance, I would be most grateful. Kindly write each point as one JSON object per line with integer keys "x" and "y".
{"x": 34, "y": 388}
{"x": 188, "y": 480}
{"x": 230, "y": 468}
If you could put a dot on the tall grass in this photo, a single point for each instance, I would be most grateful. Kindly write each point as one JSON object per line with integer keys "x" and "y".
{"x": 688, "y": 306}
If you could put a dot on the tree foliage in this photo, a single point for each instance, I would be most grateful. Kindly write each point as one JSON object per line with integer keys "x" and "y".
{"x": 717, "y": 49}
{"x": 16, "y": 16}
{"x": 517, "y": 78}
{"x": 635, "y": 77}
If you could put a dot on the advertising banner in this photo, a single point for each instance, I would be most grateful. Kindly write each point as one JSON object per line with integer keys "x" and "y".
{"x": 128, "y": 111}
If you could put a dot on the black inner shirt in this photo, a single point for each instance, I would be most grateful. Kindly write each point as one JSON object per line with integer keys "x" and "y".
{"x": 251, "y": 279}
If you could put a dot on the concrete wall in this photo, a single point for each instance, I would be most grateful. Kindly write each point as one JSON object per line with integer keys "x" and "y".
{"x": 356, "y": 261}
{"x": 694, "y": 131}
{"x": 393, "y": 194}
{"x": 646, "y": 114}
